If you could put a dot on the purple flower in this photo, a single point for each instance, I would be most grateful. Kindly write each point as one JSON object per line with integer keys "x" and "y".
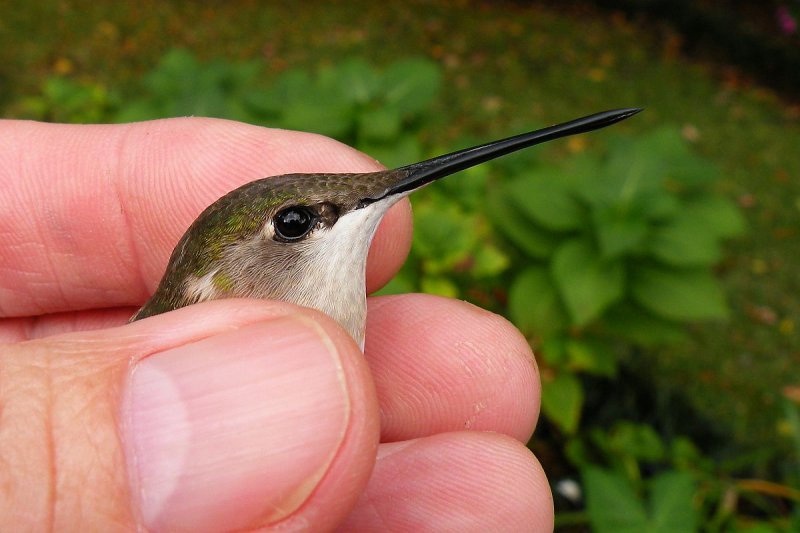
{"x": 786, "y": 21}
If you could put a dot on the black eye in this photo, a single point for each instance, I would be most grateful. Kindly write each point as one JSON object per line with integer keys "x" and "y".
{"x": 294, "y": 223}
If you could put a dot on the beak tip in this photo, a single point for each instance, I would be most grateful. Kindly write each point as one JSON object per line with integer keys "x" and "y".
{"x": 630, "y": 111}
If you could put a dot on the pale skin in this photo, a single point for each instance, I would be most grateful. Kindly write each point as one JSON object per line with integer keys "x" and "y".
{"x": 429, "y": 435}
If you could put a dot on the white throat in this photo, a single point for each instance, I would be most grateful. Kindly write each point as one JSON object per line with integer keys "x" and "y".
{"x": 337, "y": 286}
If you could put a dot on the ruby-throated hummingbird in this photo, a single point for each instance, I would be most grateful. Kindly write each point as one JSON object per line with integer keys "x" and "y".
{"x": 304, "y": 238}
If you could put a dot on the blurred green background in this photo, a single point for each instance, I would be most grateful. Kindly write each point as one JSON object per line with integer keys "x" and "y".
{"x": 653, "y": 266}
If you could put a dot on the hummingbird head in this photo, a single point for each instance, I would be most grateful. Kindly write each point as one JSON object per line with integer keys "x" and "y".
{"x": 304, "y": 238}
{"x": 301, "y": 238}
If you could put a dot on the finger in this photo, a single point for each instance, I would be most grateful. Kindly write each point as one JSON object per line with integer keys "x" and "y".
{"x": 25, "y": 328}
{"x": 439, "y": 365}
{"x": 445, "y": 365}
{"x": 455, "y": 482}
{"x": 215, "y": 417}
{"x": 90, "y": 214}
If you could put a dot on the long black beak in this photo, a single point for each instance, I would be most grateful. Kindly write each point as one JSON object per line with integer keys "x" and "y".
{"x": 419, "y": 174}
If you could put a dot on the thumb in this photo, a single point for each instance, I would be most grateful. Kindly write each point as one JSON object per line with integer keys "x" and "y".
{"x": 227, "y": 415}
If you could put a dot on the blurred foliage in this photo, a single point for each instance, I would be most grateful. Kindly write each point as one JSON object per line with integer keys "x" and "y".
{"x": 610, "y": 252}
{"x": 65, "y": 100}
{"x": 616, "y": 247}
{"x": 635, "y": 480}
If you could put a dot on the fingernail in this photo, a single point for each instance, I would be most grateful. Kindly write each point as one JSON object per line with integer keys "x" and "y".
{"x": 236, "y": 430}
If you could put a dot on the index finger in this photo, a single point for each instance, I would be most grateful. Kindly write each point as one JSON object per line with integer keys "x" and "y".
{"x": 89, "y": 214}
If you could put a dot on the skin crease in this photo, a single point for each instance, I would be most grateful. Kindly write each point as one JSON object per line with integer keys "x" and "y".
{"x": 89, "y": 215}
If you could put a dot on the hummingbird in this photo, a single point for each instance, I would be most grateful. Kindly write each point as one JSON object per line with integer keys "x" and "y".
{"x": 304, "y": 238}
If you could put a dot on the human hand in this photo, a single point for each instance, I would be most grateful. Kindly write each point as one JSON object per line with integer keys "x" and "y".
{"x": 233, "y": 414}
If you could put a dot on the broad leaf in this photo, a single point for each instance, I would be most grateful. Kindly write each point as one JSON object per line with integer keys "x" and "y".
{"x": 562, "y": 401}
{"x": 639, "y": 441}
{"x": 411, "y": 85}
{"x": 681, "y": 295}
{"x": 292, "y": 86}
{"x": 439, "y": 285}
{"x": 658, "y": 205}
{"x": 469, "y": 187}
{"x": 639, "y": 326}
{"x": 381, "y": 124}
{"x": 488, "y": 261}
{"x": 400, "y": 151}
{"x": 618, "y": 230}
{"x": 533, "y": 303}
{"x": 632, "y": 170}
{"x": 546, "y": 200}
{"x": 692, "y": 171}
{"x": 718, "y": 214}
{"x": 443, "y": 236}
{"x": 402, "y": 283}
{"x": 671, "y": 507}
{"x": 524, "y": 234}
{"x": 327, "y": 117}
{"x": 587, "y": 283}
{"x": 685, "y": 241}
{"x": 356, "y": 80}
{"x": 591, "y": 356}
{"x": 553, "y": 350}
{"x": 612, "y": 504}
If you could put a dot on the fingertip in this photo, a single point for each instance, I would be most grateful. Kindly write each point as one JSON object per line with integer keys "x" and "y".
{"x": 445, "y": 365}
{"x": 462, "y": 481}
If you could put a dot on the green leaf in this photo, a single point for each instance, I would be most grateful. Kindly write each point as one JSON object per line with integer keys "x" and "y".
{"x": 403, "y": 150}
{"x": 682, "y": 295}
{"x": 262, "y": 102}
{"x": 547, "y": 200}
{"x": 718, "y": 214}
{"x": 65, "y": 100}
{"x": 657, "y": 205}
{"x": 357, "y": 80}
{"x": 612, "y": 504}
{"x": 631, "y": 322}
{"x": 592, "y": 356}
{"x": 671, "y": 506}
{"x": 578, "y": 453}
{"x": 692, "y": 171}
{"x": 632, "y": 170}
{"x": 411, "y": 85}
{"x": 685, "y": 455}
{"x": 685, "y": 242}
{"x": 562, "y": 401}
{"x": 320, "y": 116}
{"x": 553, "y": 350}
{"x": 488, "y": 261}
{"x": 527, "y": 236}
{"x": 587, "y": 283}
{"x": 534, "y": 305}
{"x": 402, "y": 283}
{"x": 170, "y": 77}
{"x": 292, "y": 86}
{"x": 439, "y": 285}
{"x": 639, "y": 441}
{"x": 747, "y": 525}
{"x": 618, "y": 230}
{"x": 138, "y": 110}
{"x": 469, "y": 187}
{"x": 443, "y": 236}
{"x": 381, "y": 124}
